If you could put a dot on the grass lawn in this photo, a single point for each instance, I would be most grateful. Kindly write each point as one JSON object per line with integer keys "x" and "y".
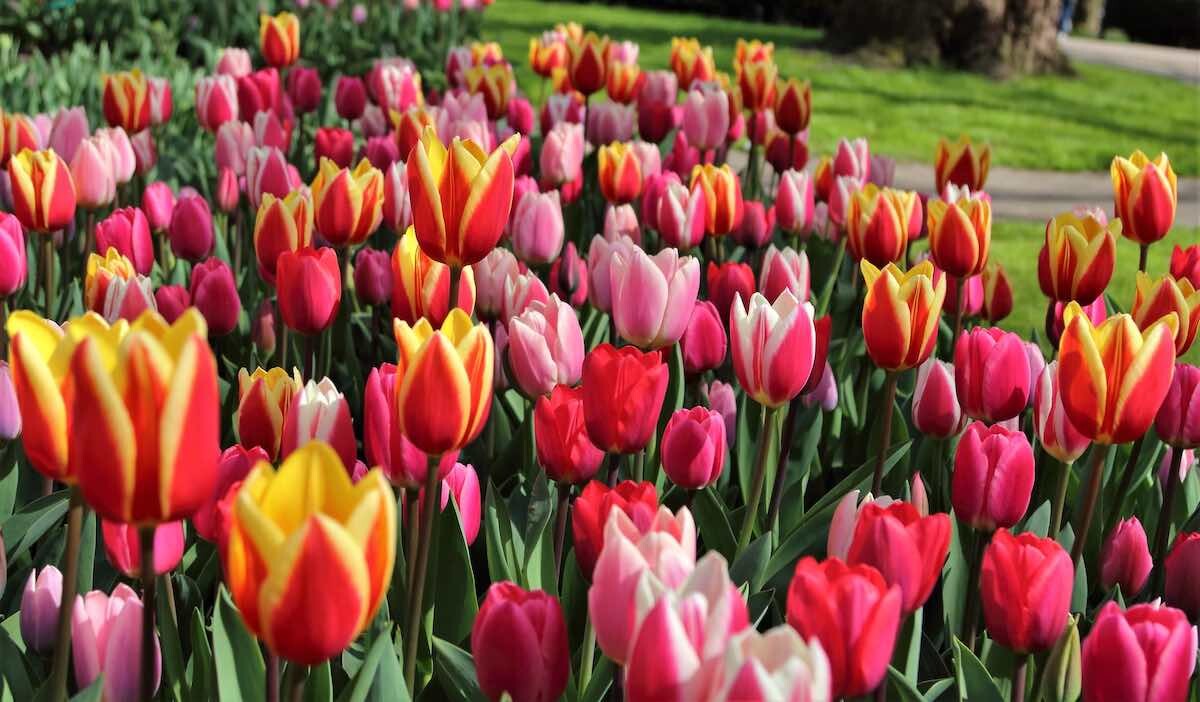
{"x": 1045, "y": 122}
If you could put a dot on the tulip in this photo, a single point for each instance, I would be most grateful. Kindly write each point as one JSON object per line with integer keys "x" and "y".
{"x": 960, "y": 232}
{"x": 683, "y": 158}
{"x": 43, "y": 194}
{"x": 1054, "y": 430}
{"x": 620, "y": 173}
{"x": 997, "y": 293}
{"x": 215, "y": 294}
{"x": 212, "y": 520}
{"x": 777, "y": 665}
{"x": 568, "y": 276}
{"x": 304, "y": 89}
{"x": 1185, "y": 263}
{"x": 1025, "y": 585}
{"x": 279, "y": 39}
{"x": 128, "y": 298}
{"x": 520, "y": 642}
{"x": 13, "y": 263}
{"x": 548, "y": 52}
{"x": 794, "y": 203}
{"x": 319, "y": 412}
{"x": 40, "y": 601}
{"x": 723, "y": 194}
{"x": 101, "y": 273}
{"x": 397, "y": 208}
{"x": 1157, "y": 298}
{"x": 854, "y": 615}
{"x": 171, "y": 301}
{"x": 395, "y": 84}
{"x": 444, "y": 382}
{"x": 350, "y": 97}
{"x": 10, "y": 414}
{"x": 92, "y": 174}
{"x": 993, "y": 476}
{"x": 190, "y": 229}
{"x": 693, "y": 447}
{"x": 382, "y": 152}
{"x": 562, "y": 153}
{"x": 267, "y": 171}
{"x": 623, "y": 394}
{"x": 70, "y": 127}
{"x": 490, "y": 275}
{"x": 124, "y": 160}
{"x": 703, "y": 343}
{"x": 347, "y": 205}
{"x": 494, "y": 83}
{"x": 564, "y": 450}
{"x": 106, "y": 639}
{"x": 773, "y": 347}
{"x": 784, "y": 270}
{"x": 384, "y": 444}
{"x": 126, "y": 100}
{"x": 158, "y": 202}
{"x": 334, "y": 144}
{"x": 216, "y": 101}
{"x": 721, "y": 398}
{"x": 17, "y": 133}
{"x": 908, "y": 548}
{"x": 588, "y": 62}
{"x": 935, "y": 408}
{"x": 793, "y": 105}
{"x": 1114, "y": 358}
{"x": 845, "y": 521}
{"x": 706, "y": 116}
{"x": 545, "y": 347}
{"x": 234, "y": 62}
{"x": 1145, "y": 194}
{"x": 145, "y": 151}
{"x": 666, "y": 661}
{"x": 876, "y": 223}
{"x": 1178, "y": 420}
{"x": 421, "y": 286}
{"x": 372, "y": 276}
{"x": 900, "y": 314}
{"x": 1125, "y": 559}
{"x": 335, "y": 558}
{"x": 652, "y": 297}
{"x": 728, "y": 282}
{"x": 281, "y": 225}
{"x": 621, "y": 221}
{"x": 1147, "y": 652}
{"x": 691, "y": 62}
{"x": 1076, "y": 261}
{"x": 680, "y": 216}
{"x": 757, "y": 227}
{"x": 1180, "y": 568}
{"x": 310, "y": 288}
{"x": 407, "y": 126}
{"x": 264, "y": 401}
{"x": 599, "y": 261}
{"x": 228, "y": 193}
{"x": 122, "y": 545}
{"x": 962, "y": 163}
{"x": 591, "y": 515}
{"x": 537, "y": 230}
{"x": 463, "y": 229}
{"x": 127, "y": 232}
{"x": 991, "y": 374}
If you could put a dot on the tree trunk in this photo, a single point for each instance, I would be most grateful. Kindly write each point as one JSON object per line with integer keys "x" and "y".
{"x": 1089, "y": 17}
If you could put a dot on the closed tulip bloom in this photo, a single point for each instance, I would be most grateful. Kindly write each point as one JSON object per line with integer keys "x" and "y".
{"x": 395, "y": 84}
{"x": 569, "y": 277}
{"x": 282, "y": 224}
{"x": 1178, "y": 420}
{"x": 773, "y": 347}
{"x": 703, "y": 344}
{"x": 215, "y": 294}
{"x": 537, "y": 228}
{"x": 92, "y": 174}
{"x": 234, "y": 141}
{"x": 267, "y": 171}
{"x": 128, "y": 298}
{"x": 726, "y": 283}
{"x": 599, "y": 262}
{"x": 211, "y": 521}
{"x": 124, "y": 162}
{"x": 234, "y": 62}
{"x": 620, "y": 173}
{"x": 624, "y": 391}
{"x": 961, "y": 163}
{"x": 907, "y": 548}
{"x": 460, "y": 230}
{"x": 757, "y": 227}
{"x": 723, "y": 194}
{"x": 590, "y": 516}
{"x": 776, "y": 665}
{"x": 794, "y": 203}
{"x": 877, "y": 224}
{"x": 335, "y": 545}
{"x": 127, "y": 231}
{"x": 548, "y": 52}
{"x": 347, "y": 205}
{"x": 421, "y": 285}
{"x": 279, "y": 39}
{"x": 1076, "y": 261}
{"x": 258, "y": 91}
{"x": 372, "y": 276}
{"x": 562, "y": 153}
{"x": 13, "y": 263}
{"x": 191, "y": 228}
{"x": 1145, "y": 653}
{"x": 681, "y": 215}
{"x": 706, "y": 116}
{"x": 70, "y": 127}
{"x": 693, "y": 447}
{"x": 935, "y": 408}
{"x": 993, "y": 477}
{"x": 17, "y": 133}
{"x": 382, "y": 152}
{"x": 997, "y": 293}
{"x": 309, "y": 282}
{"x": 564, "y": 450}
{"x": 43, "y": 193}
{"x": 1145, "y": 194}
{"x": 793, "y": 105}
{"x": 960, "y": 232}
{"x": 652, "y": 296}
{"x": 319, "y": 412}
{"x": 1125, "y": 560}
{"x": 495, "y": 83}
{"x": 126, "y": 100}
{"x": 1025, "y": 585}
{"x": 106, "y": 640}
{"x": 40, "y": 601}
{"x": 1155, "y": 298}
{"x": 854, "y": 615}
{"x": 145, "y": 422}
{"x": 1054, "y": 430}
{"x": 545, "y": 347}
{"x": 623, "y": 81}
{"x": 171, "y": 301}
{"x": 490, "y": 276}
{"x": 304, "y": 89}
{"x": 691, "y": 62}
{"x": 384, "y": 444}
{"x": 270, "y": 131}
{"x": 1113, "y": 377}
{"x": 145, "y": 151}
{"x": 397, "y": 206}
{"x": 444, "y": 382}
{"x": 350, "y": 97}
{"x": 407, "y": 127}
{"x": 158, "y": 202}
{"x": 1185, "y": 263}
{"x": 10, "y": 410}
{"x": 588, "y": 67}
{"x": 264, "y": 401}
{"x": 991, "y": 374}
{"x": 101, "y": 273}
{"x": 335, "y": 144}
{"x": 122, "y": 546}
{"x": 1181, "y": 567}
{"x": 216, "y": 101}
{"x": 621, "y": 221}
{"x": 520, "y": 642}
{"x": 784, "y": 270}
{"x": 900, "y": 314}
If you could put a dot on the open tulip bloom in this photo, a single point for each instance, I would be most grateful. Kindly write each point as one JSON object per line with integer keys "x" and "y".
{"x": 439, "y": 383}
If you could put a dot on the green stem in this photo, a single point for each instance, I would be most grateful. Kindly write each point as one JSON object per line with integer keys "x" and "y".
{"x": 146, "y": 539}
{"x": 760, "y": 477}
{"x": 785, "y": 449}
{"x": 560, "y": 526}
{"x": 294, "y": 678}
{"x": 1163, "y": 530}
{"x": 960, "y": 305}
{"x": 48, "y": 291}
{"x": 70, "y": 569}
{"x": 1131, "y": 466}
{"x": 971, "y": 612}
{"x": 1095, "y": 477}
{"x": 412, "y": 521}
{"x": 1143, "y": 255}
{"x": 889, "y": 401}
{"x": 1060, "y": 498}
{"x": 272, "y": 677}
{"x": 429, "y": 508}
{"x": 831, "y": 282}
{"x": 589, "y": 653}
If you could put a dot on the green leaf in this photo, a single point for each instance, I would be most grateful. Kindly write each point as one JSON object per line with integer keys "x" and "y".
{"x": 92, "y": 693}
{"x": 87, "y": 551}
{"x": 712, "y": 522}
{"x": 497, "y": 528}
{"x": 748, "y": 569}
{"x": 974, "y": 681}
{"x": 935, "y": 690}
{"x": 902, "y": 686}
{"x": 380, "y": 676}
{"x": 172, "y": 652}
{"x": 239, "y": 662}
{"x": 32, "y": 521}
{"x": 450, "y": 584}
{"x": 600, "y": 682}
{"x": 319, "y": 686}
{"x": 455, "y": 671}
{"x": 1038, "y": 522}
{"x": 539, "y": 511}
{"x": 201, "y": 668}
{"x": 13, "y": 667}
{"x": 908, "y": 646}
{"x": 954, "y": 577}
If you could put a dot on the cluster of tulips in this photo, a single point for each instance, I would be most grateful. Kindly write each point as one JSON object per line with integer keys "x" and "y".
{"x": 409, "y": 312}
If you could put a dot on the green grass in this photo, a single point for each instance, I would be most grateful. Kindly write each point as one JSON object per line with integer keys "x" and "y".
{"x": 1043, "y": 122}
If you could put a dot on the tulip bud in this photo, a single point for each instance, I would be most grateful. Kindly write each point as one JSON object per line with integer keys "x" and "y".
{"x": 545, "y": 347}
{"x": 520, "y": 642}
{"x": 1156, "y": 298}
{"x": 757, "y": 227}
{"x": 69, "y": 129}
{"x": 215, "y": 294}
{"x": 13, "y": 263}
{"x": 227, "y": 191}
{"x": 158, "y": 203}
{"x": 960, "y": 231}
{"x": 620, "y": 173}
{"x": 191, "y": 229}
{"x": 171, "y": 301}
{"x": 372, "y": 276}
{"x": 1178, "y": 420}
{"x": 706, "y": 116}
{"x": 564, "y": 450}
{"x": 1185, "y": 263}
{"x": 335, "y": 144}
{"x": 1025, "y": 584}
{"x": 935, "y": 408}
{"x": 127, "y": 231}
{"x": 693, "y": 447}
{"x": 703, "y": 344}
{"x": 319, "y": 412}
{"x": 784, "y": 270}
{"x": 683, "y": 158}
{"x": 652, "y": 297}
{"x": 39, "y": 609}
{"x": 92, "y": 173}
{"x": 1145, "y": 195}
{"x": 993, "y": 477}
{"x": 262, "y": 328}
{"x": 568, "y": 276}
{"x": 898, "y": 342}
{"x": 727, "y": 283}
{"x": 962, "y": 164}
{"x": 680, "y": 215}
{"x": 991, "y": 374}
{"x": 309, "y": 282}
{"x": 1182, "y": 567}
{"x": 279, "y": 39}
{"x": 122, "y": 545}
{"x": 106, "y": 641}
{"x": 267, "y": 171}
{"x": 350, "y": 97}
{"x": 562, "y": 153}
{"x": 793, "y": 105}
{"x": 621, "y": 220}
{"x": 761, "y": 334}
{"x": 127, "y": 298}
{"x": 1125, "y": 559}
{"x": 304, "y": 89}
{"x": 1063, "y": 678}
{"x": 1076, "y": 261}
{"x": 997, "y": 293}
{"x": 537, "y": 228}
{"x": 124, "y": 162}
{"x": 270, "y": 132}
{"x": 623, "y": 394}
{"x": 1054, "y": 430}
{"x": 1147, "y": 652}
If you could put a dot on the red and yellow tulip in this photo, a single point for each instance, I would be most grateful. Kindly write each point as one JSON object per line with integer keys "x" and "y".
{"x": 145, "y": 421}
{"x": 461, "y": 197}
{"x": 495, "y": 83}
{"x": 620, "y": 173}
{"x": 409, "y": 126}
{"x": 264, "y": 398}
{"x": 1076, "y": 261}
{"x": 126, "y": 100}
{"x": 1114, "y": 377}
{"x": 547, "y": 53}
{"x": 347, "y": 204}
{"x": 444, "y": 382}
{"x": 304, "y": 535}
{"x": 43, "y": 194}
{"x": 962, "y": 163}
{"x": 588, "y": 69}
{"x": 877, "y": 223}
{"x": 691, "y": 62}
{"x": 282, "y": 224}
{"x": 793, "y": 105}
{"x": 1145, "y": 194}
{"x": 757, "y": 80}
{"x": 1156, "y": 298}
{"x": 279, "y": 38}
{"x": 17, "y": 133}
{"x": 101, "y": 272}
{"x": 745, "y": 52}
{"x": 723, "y": 195}
{"x": 900, "y": 314}
{"x": 960, "y": 234}
{"x": 421, "y": 285}
{"x": 624, "y": 81}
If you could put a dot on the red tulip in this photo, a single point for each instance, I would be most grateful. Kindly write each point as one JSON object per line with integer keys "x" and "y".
{"x": 519, "y": 641}
{"x": 1125, "y": 560}
{"x": 215, "y": 294}
{"x": 310, "y": 288}
{"x": 991, "y": 374}
{"x": 704, "y": 343}
{"x": 1182, "y": 568}
{"x": 591, "y": 510}
{"x": 1185, "y": 263}
{"x": 726, "y": 283}
{"x": 563, "y": 448}
{"x": 935, "y": 408}
{"x": 335, "y": 144}
{"x": 693, "y": 447}
{"x": 350, "y": 97}
{"x": 623, "y": 393}
{"x": 191, "y": 228}
{"x": 1144, "y": 654}
{"x": 908, "y": 549}
{"x": 1025, "y": 585}
{"x": 123, "y": 546}
{"x": 304, "y": 88}
{"x": 993, "y": 476}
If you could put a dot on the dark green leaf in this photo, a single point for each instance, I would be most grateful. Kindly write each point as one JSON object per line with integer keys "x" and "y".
{"x": 92, "y": 693}
{"x": 974, "y": 681}
{"x": 600, "y": 682}
{"x": 13, "y": 668}
{"x": 32, "y": 521}
{"x": 201, "y": 667}
{"x": 455, "y": 671}
{"x": 319, "y": 686}
{"x": 380, "y": 676}
{"x": 904, "y": 689}
{"x": 451, "y": 582}
{"x": 748, "y": 569}
{"x": 172, "y": 652}
{"x": 497, "y": 536}
{"x": 239, "y": 662}
{"x": 713, "y": 523}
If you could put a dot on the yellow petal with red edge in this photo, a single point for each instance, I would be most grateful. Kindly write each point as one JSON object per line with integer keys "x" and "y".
{"x": 426, "y": 169}
{"x": 487, "y": 206}
{"x": 433, "y": 403}
{"x": 1144, "y": 382}
{"x": 311, "y": 480}
{"x": 409, "y": 340}
{"x": 40, "y": 401}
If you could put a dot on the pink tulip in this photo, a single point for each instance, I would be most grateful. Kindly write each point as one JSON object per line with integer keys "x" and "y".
{"x": 228, "y": 191}
{"x": 397, "y": 206}
{"x": 161, "y": 102}
{"x": 145, "y": 151}
{"x": 124, "y": 160}
{"x": 693, "y": 447}
{"x": 825, "y": 394}
{"x": 655, "y": 105}
{"x": 608, "y": 122}
{"x": 648, "y": 156}
{"x": 703, "y": 344}
{"x": 214, "y": 293}
{"x": 652, "y": 297}
{"x": 1178, "y": 420}
{"x": 1146, "y": 653}
{"x": 92, "y": 173}
{"x": 267, "y": 171}
{"x": 653, "y": 189}
{"x": 127, "y": 231}
{"x": 234, "y": 62}
{"x": 600, "y": 257}
{"x": 882, "y": 171}
{"x": 383, "y": 443}
{"x": 776, "y": 665}
{"x": 683, "y": 157}
{"x": 935, "y": 409}
{"x": 13, "y": 264}
{"x": 773, "y": 347}
{"x": 106, "y": 638}
{"x": 172, "y": 301}
{"x": 706, "y": 116}
{"x": 373, "y": 276}
{"x": 537, "y": 228}
{"x": 559, "y": 108}
{"x": 40, "y": 601}
{"x": 568, "y": 276}
{"x": 1037, "y": 364}
{"x": 269, "y": 131}
{"x": 396, "y": 85}
{"x": 10, "y": 415}
{"x": 680, "y": 215}
{"x": 69, "y": 129}
{"x": 520, "y": 292}
{"x": 127, "y": 299}
{"x": 721, "y": 397}
{"x": 374, "y": 122}
{"x": 258, "y": 91}
{"x": 1054, "y": 430}
{"x": 991, "y": 374}
{"x": 794, "y": 203}
{"x": 490, "y": 276}
{"x": 216, "y": 101}
{"x": 520, "y": 116}
{"x": 1182, "y": 568}
{"x": 461, "y": 482}
{"x": 235, "y": 464}
{"x": 350, "y": 97}
{"x": 122, "y": 545}
{"x": 621, "y": 220}
{"x": 784, "y": 270}
{"x": 853, "y": 159}
{"x": 320, "y": 411}
{"x": 993, "y": 477}
{"x": 757, "y": 227}
{"x": 158, "y": 202}
{"x": 845, "y": 521}
{"x": 545, "y": 347}
{"x": 191, "y": 228}
{"x": 304, "y": 89}
{"x": 381, "y": 151}
{"x": 562, "y": 153}
{"x": 1125, "y": 559}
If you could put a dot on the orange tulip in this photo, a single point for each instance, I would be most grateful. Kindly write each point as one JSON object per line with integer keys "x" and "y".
{"x": 39, "y": 357}
{"x": 960, "y": 233}
{"x": 279, "y": 38}
{"x": 443, "y": 382}
{"x": 1114, "y": 377}
{"x": 145, "y": 421}
{"x": 624, "y": 81}
{"x": 691, "y": 62}
{"x": 793, "y": 105}
{"x": 900, "y": 314}
{"x": 1076, "y": 261}
{"x": 17, "y": 133}
{"x": 421, "y": 285}
{"x": 303, "y": 537}
{"x": 347, "y": 205}
{"x": 101, "y": 272}
{"x": 620, "y": 173}
{"x": 589, "y": 62}
{"x": 461, "y": 197}
{"x": 962, "y": 163}
{"x": 547, "y": 53}
{"x": 264, "y": 398}
{"x": 495, "y": 83}
{"x": 723, "y": 195}
{"x": 282, "y": 224}
{"x": 126, "y": 100}
{"x": 1145, "y": 194}
{"x": 877, "y": 223}
{"x": 757, "y": 82}
{"x": 43, "y": 194}
{"x": 1156, "y": 298}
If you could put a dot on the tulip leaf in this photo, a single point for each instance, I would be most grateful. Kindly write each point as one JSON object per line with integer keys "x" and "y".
{"x": 380, "y": 676}
{"x": 87, "y": 552}
{"x": 239, "y": 661}
{"x": 91, "y": 693}
{"x": 974, "y": 681}
{"x": 32, "y": 521}
{"x": 903, "y": 688}
{"x": 758, "y": 604}
{"x": 600, "y": 682}
{"x": 450, "y": 584}
{"x": 201, "y": 673}
{"x": 537, "y": 515}
{"x": 319, "y": 686}
{"x": 935, "y": 690}
{"x": 455, "y": 671}
{"x": 172, "y": 652}
{"x": 908, "y": 645}
{"x": 9, "y": 480}
{"x": 713, "y": 522}
{"x": 954, "y": 576}
{"x": 1038, "y": 522}
{"x": 497, "y": 527}
{"x": 14, "y": 672}
{"x": 747, "y": 569}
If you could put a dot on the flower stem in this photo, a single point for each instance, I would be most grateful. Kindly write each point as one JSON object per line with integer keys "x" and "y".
{"x": 272, "y": 677}
{"x": 1095, "y": 477}
{"x": 1060, "y": 498}
{"x": 760, "y": 477}
{"x": 429, "y": 508}
{"x": 294, "y": 679}
{"x": 48, "y": 291}
{"x": 971, "y": 613}
{"x": 1163, "y": 530}
{"x": 146, "y": 539}
{"x": 1018, "y": 681}
{"x": 960, "y": 305}
{"x": 1143, "y": 254}
{"x": 889, "y": 399}
{"x": 1131, "y": 465}
{"x": 412, "y": 521}
{"x": 70, "y": 569}
{"x": 785, "y": 449}
{"x": 589, "y": 653}
{"x": 560, "y": 526}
